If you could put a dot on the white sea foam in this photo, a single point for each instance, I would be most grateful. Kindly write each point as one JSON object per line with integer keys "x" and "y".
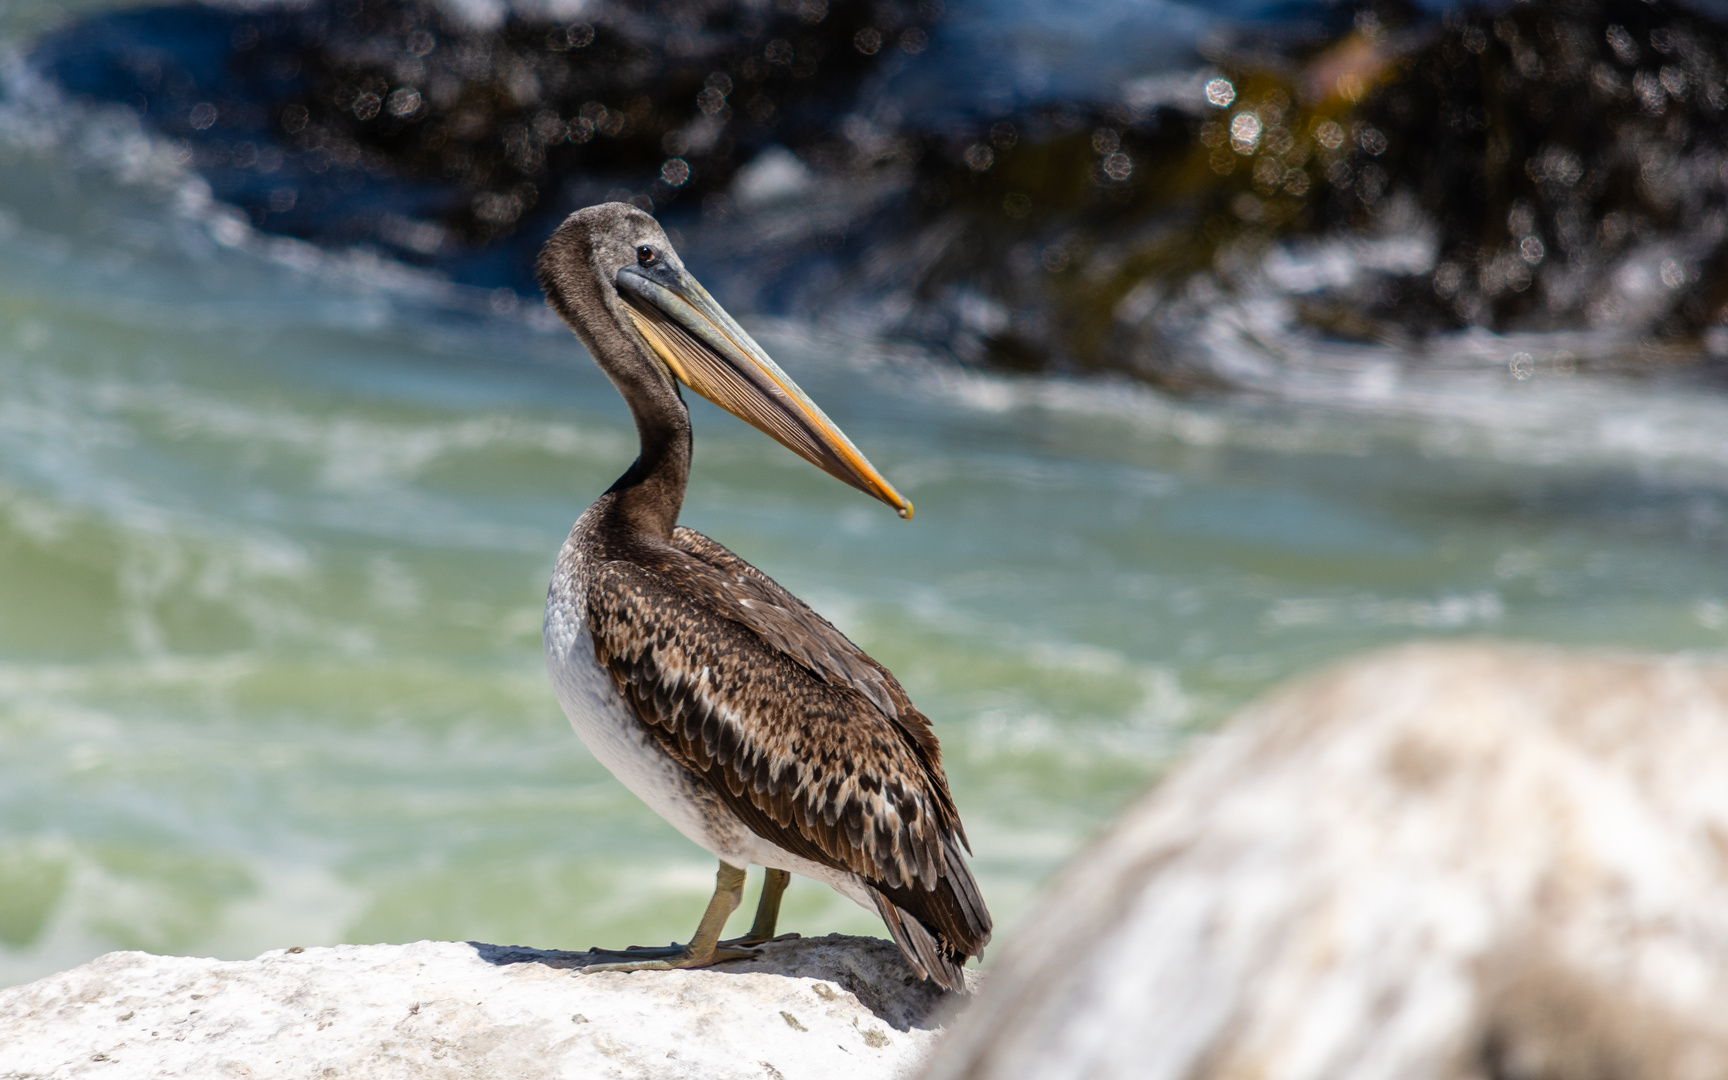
{"x": 1464, "y": 395}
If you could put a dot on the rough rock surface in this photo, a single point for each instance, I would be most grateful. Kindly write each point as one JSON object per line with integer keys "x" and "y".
{"x": 1437, "y": 862}
{"x": 821, "y": 1007}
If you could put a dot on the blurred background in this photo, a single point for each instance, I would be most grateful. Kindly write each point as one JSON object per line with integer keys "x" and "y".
{"x": 1214, "y": 342}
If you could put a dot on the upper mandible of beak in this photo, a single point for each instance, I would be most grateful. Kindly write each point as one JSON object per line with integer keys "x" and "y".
{"x": 708, "y": 351}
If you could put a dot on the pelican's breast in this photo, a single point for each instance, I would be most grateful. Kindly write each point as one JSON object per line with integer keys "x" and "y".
{"x": 607, "y": 725}
{"x": 613, "y": 733}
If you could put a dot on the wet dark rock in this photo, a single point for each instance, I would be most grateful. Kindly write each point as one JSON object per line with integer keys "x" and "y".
{"x": 1574, "y": 159}
{"x": 1383, "y": 178}
{"x": 1560, "y": 164}
{"x": 392, "y": 123}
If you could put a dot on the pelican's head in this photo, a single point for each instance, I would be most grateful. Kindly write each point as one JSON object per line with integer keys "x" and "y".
{"x": 611, "y": 268}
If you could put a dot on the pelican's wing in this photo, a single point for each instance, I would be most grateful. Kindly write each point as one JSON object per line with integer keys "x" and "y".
{"x": 747, "y": 595}
{"x": 807, "y": 761}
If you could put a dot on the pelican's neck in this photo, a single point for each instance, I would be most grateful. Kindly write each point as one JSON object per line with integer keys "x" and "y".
{"x": 649, "y": 495}
{"x": 647, "y": 498}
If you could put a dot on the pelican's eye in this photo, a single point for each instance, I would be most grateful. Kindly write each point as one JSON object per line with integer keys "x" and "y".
{"x": 645, "y": 256}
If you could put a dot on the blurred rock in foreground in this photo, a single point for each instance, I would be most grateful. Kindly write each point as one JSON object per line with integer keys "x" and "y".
{"x": 1436, "y": 862}
{"x": 829, "y": 1007}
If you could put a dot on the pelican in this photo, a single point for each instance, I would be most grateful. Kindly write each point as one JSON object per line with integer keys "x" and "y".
{"x": 724, "y": 702}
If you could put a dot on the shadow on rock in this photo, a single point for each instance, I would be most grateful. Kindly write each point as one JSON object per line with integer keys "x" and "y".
{"x": 871, "y": 969}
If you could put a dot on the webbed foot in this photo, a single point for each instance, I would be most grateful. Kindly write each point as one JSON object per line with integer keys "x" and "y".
{"x": 669, "y": 958}
{"x": 705, "y": 946}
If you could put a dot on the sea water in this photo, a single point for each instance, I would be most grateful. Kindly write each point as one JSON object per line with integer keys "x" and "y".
{"x": 276, "y": 526}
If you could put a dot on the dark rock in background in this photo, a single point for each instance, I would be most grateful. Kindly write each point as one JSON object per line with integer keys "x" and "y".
{"x": 1383, "y": 175}
{"x": 1559, "y": 165}
{"x": 1574, "y": 157}
{"x": 392, "y": 123}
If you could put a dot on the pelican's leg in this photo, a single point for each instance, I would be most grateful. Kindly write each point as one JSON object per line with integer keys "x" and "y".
{"x": 767, "y": 911}
{"x": 704, "y": 948}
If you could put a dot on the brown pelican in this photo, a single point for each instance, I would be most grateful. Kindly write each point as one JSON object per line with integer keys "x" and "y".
{"x": 740, "y": 715}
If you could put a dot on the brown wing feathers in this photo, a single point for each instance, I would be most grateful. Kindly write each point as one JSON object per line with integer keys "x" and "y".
{"x": 812, "y": 744}
{"x": 792, "y": 627}
{"x": 909, "y": 916}
{"x": 816, "y": 760}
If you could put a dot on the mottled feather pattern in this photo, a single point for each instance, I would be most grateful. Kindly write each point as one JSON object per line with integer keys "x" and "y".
{"x": 812, "y": 744}
{"x": 794, "y": 628}
{"x": 811, "y": 756}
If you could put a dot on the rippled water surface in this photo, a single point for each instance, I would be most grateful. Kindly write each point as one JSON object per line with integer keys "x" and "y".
{"x": 275, "y": 530}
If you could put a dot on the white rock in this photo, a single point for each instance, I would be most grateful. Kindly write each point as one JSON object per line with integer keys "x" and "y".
{"x": 1437, "y": 862}
{"x": 821, "y": 1007}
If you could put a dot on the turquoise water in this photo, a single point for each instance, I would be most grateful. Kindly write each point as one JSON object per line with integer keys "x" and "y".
{"x": 275, "y": 530}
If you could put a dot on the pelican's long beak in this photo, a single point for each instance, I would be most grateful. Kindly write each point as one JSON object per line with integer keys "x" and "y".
{"x": 709, "y": 352}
